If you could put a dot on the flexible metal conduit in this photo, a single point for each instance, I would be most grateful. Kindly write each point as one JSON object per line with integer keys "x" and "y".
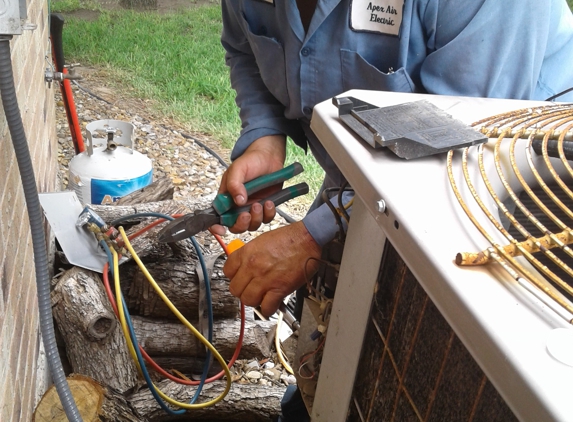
{"x": 14, "y": 120}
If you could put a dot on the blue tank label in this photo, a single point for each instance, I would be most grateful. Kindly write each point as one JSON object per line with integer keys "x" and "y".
{"x": 108, "y": 191}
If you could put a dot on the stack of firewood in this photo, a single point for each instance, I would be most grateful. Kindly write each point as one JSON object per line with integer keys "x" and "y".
{"x": 105, "y": 382}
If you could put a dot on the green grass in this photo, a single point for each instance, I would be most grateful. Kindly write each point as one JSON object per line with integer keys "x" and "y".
{"x": 176, "y": 60}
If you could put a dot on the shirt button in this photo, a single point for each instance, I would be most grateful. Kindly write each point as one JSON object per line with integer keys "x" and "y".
{"x": 307, "y": 110}
{"x": 305, "y": 51}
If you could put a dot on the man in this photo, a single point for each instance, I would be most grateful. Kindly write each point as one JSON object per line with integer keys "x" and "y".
{"x": 285, "y": 56}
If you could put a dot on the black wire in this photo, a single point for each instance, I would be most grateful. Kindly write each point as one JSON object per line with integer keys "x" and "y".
{"x": 326, "y": 200}
{"x": 559, "y": 94}
{"x": 288, "y": 218}
{"x": 344, "y": 188}
{"x": 93, "y": 94}
{"x": 205, "y": 147}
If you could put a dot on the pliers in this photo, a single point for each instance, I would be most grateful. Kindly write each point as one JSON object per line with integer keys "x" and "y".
{"x": 223, "y": 210}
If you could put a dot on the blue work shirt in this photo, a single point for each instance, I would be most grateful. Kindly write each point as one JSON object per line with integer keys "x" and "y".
{"x": 520, "y": 49}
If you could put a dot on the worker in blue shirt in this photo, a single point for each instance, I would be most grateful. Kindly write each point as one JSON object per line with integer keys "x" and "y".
{"x": 285, "y": 56}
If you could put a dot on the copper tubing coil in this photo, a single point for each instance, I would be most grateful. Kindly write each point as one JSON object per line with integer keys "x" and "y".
{"x": 554, "y": 122}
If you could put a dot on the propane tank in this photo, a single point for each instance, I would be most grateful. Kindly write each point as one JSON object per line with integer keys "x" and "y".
{"x": 110, "y": 167}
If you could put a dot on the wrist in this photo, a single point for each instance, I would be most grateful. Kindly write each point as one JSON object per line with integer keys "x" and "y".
{"x": 312, "y": 248}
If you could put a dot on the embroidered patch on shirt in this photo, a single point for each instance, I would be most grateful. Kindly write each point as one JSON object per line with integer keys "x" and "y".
{"x": 381, "y": 16}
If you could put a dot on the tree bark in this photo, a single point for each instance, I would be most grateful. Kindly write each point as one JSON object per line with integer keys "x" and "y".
{"x": 95, "y": 402}
{"x": 160, "y": 190}
{"x": 95, "y": 345}
{"x": 167, "y": 338}
{"x": 178, "y": 280}
{"x": 244, "y": 403}
{"x": 187, "y": 365}
{"x": 181, "y": 206}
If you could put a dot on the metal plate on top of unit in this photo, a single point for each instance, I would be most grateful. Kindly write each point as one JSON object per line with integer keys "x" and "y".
{"x": 410, "y": 130}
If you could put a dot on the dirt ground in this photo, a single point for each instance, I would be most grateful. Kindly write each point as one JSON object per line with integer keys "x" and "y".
{"x": 158, "y": 6}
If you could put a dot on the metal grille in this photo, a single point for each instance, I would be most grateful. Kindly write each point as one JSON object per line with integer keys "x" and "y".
{"x": 531, "y": 189}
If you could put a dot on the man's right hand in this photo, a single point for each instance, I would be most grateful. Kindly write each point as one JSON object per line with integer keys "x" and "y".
{"x": 264, "y": 156}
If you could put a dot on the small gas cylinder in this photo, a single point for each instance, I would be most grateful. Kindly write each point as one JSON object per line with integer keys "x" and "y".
{"x": 110, "y": 167}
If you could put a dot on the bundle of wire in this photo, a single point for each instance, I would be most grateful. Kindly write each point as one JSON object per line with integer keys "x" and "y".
{"x": 136, "y": 351}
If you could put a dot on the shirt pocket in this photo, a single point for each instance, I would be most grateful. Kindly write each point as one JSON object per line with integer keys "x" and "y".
{"x": 357, "y": 73}
{"x": 270, "y": 58}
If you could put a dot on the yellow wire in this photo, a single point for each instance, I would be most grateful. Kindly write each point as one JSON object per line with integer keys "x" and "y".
{"x": 181, "y": 318}
{"x": 278, "y": 345}
{"x": 122, "y": 319}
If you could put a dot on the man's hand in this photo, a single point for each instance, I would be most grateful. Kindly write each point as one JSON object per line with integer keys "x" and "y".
{"x": 270, "y": 267}
{"x": 264, "y": 156}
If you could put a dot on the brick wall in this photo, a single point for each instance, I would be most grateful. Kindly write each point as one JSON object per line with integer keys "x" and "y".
{"x": 22, "y": 367}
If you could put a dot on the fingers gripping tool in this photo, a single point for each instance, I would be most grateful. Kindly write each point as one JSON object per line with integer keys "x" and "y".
{"x": 223, "y": 210}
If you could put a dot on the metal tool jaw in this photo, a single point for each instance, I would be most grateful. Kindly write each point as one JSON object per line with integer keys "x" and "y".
{"x": 188, "y": 225}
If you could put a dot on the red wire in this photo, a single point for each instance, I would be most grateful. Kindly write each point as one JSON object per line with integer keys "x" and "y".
{"x": 148, "y": 358}
{"x": 220, "y": 240}
{"x": 150, "y": 226}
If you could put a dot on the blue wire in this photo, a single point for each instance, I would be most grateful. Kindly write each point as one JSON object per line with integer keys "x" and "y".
{"x": 207, "y": 362}
{"x": 108, "y": 253}
{"x": 209, "y": 313}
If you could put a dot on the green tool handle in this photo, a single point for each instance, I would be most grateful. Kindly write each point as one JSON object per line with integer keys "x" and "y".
{"x": 224, "y": 202}
{"x": 229, "y": 218}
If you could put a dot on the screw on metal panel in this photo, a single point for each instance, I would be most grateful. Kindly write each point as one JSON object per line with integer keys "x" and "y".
{"x": 381, "y": 205}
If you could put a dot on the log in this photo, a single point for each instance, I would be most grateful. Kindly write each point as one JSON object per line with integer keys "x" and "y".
{"x": 167, "y": 338}
{"x": 244, "y": 403}
{"x": 149, "y": 249}
{"x": 95, "y": 345}
{"x": 188, "y": 366}
{"x": 160, "y": 190}
{"x": 95, "y": 402}
{"x": 178, "y": 280}
{"x": 181, "y": 206}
